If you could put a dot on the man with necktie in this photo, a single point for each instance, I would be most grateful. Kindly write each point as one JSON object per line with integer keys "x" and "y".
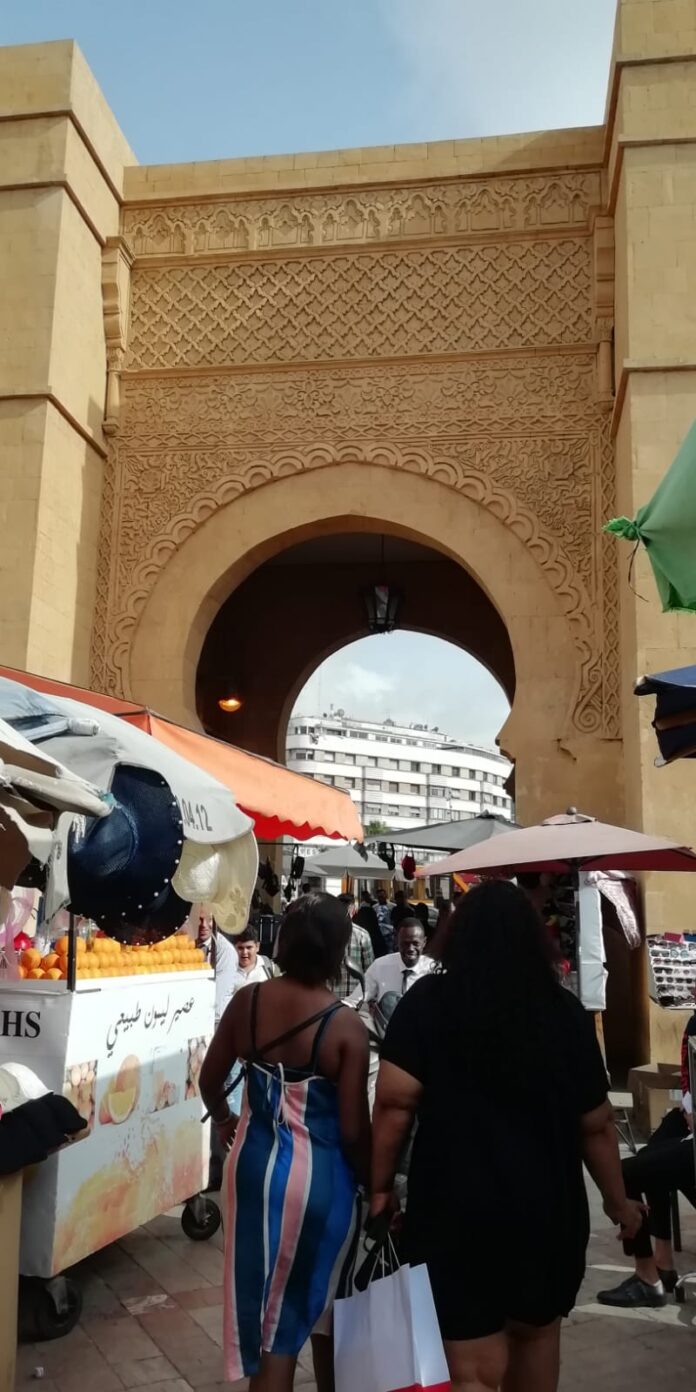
{"x": 398, "y": 970}
{"x": 386, "y": 981}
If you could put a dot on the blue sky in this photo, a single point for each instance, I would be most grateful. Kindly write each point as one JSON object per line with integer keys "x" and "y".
{"x": 221, "y": 78}
{"x": 243, "y": 77}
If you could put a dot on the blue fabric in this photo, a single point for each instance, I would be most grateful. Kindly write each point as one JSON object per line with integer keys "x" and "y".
{"x": 676, "y": 696}
{"x": 292, "y": 1215}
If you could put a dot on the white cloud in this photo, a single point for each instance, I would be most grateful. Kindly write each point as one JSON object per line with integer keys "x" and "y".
{"x": 506, "y": 66}
{"x": 359, "y": 683}
{"x": 409, "y": 677}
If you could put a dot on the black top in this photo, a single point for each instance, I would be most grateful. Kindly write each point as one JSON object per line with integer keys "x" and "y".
{"x": 367, "y": 918}
{"x": 493, "y": 1163}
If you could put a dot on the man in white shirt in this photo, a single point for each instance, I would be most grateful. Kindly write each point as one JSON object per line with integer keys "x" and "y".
{"x": 386, "y": 981}
{"x": 397, "y": 971}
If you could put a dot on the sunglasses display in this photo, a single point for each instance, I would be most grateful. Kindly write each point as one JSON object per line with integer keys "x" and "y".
{"x": 672, "y": 970}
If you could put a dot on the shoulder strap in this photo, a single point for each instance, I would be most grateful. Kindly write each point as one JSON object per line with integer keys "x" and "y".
{"x": 259, "y": 1052}
{"x": 328, "y": 1016}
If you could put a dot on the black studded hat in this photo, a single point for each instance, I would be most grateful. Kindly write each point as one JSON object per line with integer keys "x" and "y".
{"x": 120, "y": 869}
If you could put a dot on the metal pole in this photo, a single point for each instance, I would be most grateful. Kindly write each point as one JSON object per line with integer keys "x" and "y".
{"x": 72, "y": 955}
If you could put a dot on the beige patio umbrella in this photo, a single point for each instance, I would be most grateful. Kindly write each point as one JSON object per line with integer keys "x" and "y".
{"x": 566, "y": 843}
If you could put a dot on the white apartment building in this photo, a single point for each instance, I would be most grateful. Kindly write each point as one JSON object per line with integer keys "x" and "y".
{"x": 400, "y": 775}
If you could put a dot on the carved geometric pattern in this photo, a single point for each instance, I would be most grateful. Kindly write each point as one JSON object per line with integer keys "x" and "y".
{"x": 521, "y": 435}
{"x": 610, "y": 638}
{"x": 466, "y": 208}
{"x": 398, "y": 304}
{"x": 523, "y": 394}
{"x": 254, "y": 471}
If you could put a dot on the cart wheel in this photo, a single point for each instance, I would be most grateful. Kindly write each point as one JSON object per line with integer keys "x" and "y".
{"x": 200, "y": 1219}
{"x": 48, "y": 1309}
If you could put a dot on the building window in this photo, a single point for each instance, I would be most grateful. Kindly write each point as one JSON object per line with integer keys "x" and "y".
{"x": 415, "y": 768}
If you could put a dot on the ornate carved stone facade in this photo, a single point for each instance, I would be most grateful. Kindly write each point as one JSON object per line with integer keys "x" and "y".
{"x": 472, "y": 208}
{"x": 276, "y": 335}
{"x": 435, "y": 300}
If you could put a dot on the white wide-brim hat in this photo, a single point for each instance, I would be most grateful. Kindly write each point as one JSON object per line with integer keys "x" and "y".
{"x": 221, "y": 876}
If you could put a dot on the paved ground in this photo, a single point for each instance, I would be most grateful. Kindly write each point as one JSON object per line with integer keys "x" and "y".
{"x": 153, "y": 1318}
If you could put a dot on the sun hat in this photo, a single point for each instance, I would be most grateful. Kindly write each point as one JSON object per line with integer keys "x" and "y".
{"x": 221, "y": 876}
{"x": 121, "y": 867}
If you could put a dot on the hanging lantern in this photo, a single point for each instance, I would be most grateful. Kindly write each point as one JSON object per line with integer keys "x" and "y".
{"x": 382, "y": 604}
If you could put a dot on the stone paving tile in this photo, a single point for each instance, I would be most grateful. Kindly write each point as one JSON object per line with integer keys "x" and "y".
{"x": 73, "y": 1364}
{"x": 185, "y": 1344}
{"x": 210, "y": 1319}
{"x": 122, "y": 1273}
{"x": 171, "y": 1385}
{"x": 114, "y": 1337}
{"x": 177, "y": 1349}
{"x": 92, "y": 1373}
{"x": 143, "y": 1371}
{"x": 160, "y": 1262}
{"x": 196, "y": 1299}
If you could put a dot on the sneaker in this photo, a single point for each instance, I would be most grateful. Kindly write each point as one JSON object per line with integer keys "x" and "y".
{"x": 634, "y": 1294}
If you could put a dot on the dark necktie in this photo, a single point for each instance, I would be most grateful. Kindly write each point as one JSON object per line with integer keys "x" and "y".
{"x": 406, "y": 975}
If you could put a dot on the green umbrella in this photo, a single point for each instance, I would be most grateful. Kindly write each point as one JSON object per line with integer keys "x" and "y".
{"x": 667, "y": 528}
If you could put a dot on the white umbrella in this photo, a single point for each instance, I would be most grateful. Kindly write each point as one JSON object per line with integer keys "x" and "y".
{"x": 39, "y": 799}
{"x": 338, "y": 861}
{"x": 91, "y": 742}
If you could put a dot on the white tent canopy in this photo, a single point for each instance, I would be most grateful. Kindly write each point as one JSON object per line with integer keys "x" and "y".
{"x": 338, "y": 861}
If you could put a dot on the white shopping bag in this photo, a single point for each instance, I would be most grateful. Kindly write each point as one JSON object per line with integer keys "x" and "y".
{"x": 387, "y": 1338}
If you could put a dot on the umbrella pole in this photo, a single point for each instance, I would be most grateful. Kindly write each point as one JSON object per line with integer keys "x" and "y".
{"x": 72, "y": 955}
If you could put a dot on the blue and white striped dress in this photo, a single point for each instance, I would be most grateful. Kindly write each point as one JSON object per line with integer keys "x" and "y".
{"x": 291, "y": 1214}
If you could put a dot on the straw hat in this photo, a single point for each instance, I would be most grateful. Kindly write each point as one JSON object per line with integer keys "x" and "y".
{"x": 222, "y": 876}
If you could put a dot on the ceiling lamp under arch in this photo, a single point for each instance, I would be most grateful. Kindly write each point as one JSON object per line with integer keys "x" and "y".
{"x": 382, "y": 602}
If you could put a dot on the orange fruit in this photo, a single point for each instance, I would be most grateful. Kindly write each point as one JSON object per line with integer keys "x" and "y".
{"x": 30, "y": 958}
{"x": 50, "y": 960}
{"x": 52, "y": 974}
{"x": 21, "y": 972}
{"x": 80, "y": 946}
{"x": 121, "y": 1104}
{"x": 62, "y": 945}
{"x": 36, "y": 974}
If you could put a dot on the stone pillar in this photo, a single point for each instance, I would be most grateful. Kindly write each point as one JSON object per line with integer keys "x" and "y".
{"x": 61, "y": 171}
{"x": 652, "y": 192}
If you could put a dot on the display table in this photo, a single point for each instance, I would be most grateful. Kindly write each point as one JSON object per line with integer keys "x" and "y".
{"x": 127, "y": 1053}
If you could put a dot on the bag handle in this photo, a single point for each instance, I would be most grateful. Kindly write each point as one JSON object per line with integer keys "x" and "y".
{"x": 382, "y": 1257}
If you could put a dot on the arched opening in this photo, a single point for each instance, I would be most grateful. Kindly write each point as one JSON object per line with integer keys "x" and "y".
{"x": 308, "y": 601}
{"x": 519, "y": 582}
{"x": 406, "y": 723}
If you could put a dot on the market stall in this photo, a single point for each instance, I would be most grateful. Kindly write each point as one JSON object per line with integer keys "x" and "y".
{"x": 110, "y": 1002}
{"x": 580, "y": 873}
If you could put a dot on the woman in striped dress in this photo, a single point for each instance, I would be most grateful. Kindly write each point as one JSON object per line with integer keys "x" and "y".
{"x": 300, "y": 1151}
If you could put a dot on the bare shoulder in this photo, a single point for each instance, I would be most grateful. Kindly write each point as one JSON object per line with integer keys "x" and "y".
{"x": 348, "y": 1028}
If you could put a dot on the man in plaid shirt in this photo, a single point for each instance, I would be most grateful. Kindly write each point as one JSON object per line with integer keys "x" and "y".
{"x": 359, "y": 953}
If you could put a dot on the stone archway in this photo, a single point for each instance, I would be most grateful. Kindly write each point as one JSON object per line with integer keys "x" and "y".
{"x": 520, "y": 570}
{"x": 307, "y": 603}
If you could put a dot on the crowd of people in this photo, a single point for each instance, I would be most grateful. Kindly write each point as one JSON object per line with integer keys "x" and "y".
{"x": 478, "y": 1066}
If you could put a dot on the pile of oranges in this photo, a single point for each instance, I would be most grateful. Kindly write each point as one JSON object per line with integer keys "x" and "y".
{"x": 102, "y": 957}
